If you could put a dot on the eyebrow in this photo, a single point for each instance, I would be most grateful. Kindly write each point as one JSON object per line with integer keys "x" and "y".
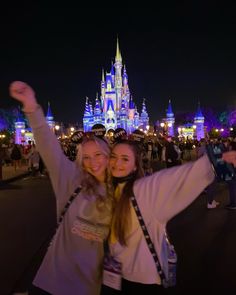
{"x": 125, "y": 156}
{"x": 100, "y": 152}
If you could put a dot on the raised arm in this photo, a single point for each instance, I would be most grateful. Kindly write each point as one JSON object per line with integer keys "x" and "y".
{"x": 25, "y": 94}
{"x": 60, "y": 168}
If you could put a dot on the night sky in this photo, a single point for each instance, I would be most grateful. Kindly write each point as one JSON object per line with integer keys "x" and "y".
{"x": 185, "y": 52}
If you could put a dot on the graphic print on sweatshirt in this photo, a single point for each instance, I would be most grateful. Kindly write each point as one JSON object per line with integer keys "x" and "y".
{"x": 88, "y": 230}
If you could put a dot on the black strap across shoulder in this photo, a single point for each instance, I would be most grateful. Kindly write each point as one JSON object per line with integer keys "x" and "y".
{"x": 72, "y": 197}
{"x": 148, "y": 239}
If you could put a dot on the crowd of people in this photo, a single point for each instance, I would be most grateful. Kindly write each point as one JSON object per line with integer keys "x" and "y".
{"x": 23, "y": 155}
{"x": 119, "y": 211}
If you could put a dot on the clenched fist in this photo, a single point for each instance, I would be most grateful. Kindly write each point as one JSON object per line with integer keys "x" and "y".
{"x": 25, "y": 94}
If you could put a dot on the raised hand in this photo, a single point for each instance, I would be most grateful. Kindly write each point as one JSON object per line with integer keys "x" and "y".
{"x": 230, "y": 157}
{"x": 25, "y": 94}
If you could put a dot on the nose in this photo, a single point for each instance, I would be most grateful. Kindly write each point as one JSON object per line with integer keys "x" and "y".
{"x": 93, "y": 160}
{"x": 117, "y": 162}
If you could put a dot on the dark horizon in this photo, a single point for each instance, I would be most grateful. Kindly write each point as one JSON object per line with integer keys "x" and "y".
{"x": 183, "y": 52}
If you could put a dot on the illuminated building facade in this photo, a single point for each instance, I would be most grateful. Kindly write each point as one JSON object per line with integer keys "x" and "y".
{"x": 115, "y": 108}
{"x": 199, "y": 123}
{"x": 23, "y": 134}
{"x": 196, "y": 129}
{"x": 19, "y": 131}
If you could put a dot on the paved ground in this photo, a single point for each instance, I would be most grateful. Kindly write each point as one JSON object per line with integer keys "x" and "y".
{"x": 10, "y": 173}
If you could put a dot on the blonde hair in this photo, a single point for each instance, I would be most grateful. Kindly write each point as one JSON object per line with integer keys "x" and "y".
{"x": 89, "y": 183}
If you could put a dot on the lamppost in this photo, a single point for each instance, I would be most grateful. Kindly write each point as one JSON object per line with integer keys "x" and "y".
{"x": 57, "y": 128}
{"x": 2, "y": 136}
{"x": 72, "y": 129}
{"x": 162, "y": 126}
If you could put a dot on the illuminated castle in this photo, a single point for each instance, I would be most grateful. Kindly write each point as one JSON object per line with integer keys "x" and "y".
{"x": 115, "y": 108}
{"x": 199, "y": 123}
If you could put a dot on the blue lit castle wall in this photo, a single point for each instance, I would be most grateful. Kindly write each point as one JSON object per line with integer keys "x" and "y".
{"x": 115, "y": 108}
{"x": 199, "y": 123}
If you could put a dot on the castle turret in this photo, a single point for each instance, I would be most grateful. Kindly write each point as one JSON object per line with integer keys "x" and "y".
{"x": 170, "y": 119}
{"x": 50, "y": 118}
{"x": 118, "y": 77}
{"x": 87, "y": 116}
{"x": 103, "y": 89}
{"x": 123, "y": 115}
{"x": 199, "y": 123}
{"x": 97, "y": 112}
{"x": 112, "y": 73}
{"x": 19, "y": 129}
{"x": 144, "y": 119}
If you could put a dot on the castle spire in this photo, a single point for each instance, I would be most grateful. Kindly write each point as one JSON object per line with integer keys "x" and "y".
{"x": 49, "y": 112}
{"x": 87, "y": 108}
{"x": 170, "y": 119}
{"x": 49, "y": 117}
{"x": 199, "y": 111}
{"x": 118, "y": 54}
{"x": 169, "y": 112}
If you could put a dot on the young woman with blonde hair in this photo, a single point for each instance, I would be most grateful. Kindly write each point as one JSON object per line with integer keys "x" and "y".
{"x": 73, "y": 262}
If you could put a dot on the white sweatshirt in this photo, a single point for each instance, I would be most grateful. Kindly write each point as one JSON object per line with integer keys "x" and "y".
{"x": 160, "y": 197}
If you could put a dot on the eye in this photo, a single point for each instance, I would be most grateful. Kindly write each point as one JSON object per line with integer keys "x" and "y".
{"x": 125, "y": 159}
{"x": 85, "y": 157}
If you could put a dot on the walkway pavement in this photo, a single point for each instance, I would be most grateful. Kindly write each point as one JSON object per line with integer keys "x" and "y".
{"x": 9, "y": 173}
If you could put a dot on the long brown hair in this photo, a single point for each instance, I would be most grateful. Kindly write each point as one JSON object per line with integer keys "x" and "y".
{"x": 122, "y": 214}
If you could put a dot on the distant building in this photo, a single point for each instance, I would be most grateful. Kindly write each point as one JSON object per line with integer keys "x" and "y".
{"x": 170, "y": 120}
{"x": 195, "y": 129}
{"x": 115, "y": 108}
{"x": 23, "y": 134}
{"x": 19, "y": 131}
{"x": 199, "y": 123}
{"x": 50, "y": 118}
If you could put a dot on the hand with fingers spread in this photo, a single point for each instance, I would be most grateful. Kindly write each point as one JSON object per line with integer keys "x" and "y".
{"x": 25, "y": 94}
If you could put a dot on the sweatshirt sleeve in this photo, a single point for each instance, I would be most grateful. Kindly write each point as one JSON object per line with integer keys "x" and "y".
{"x": 167, "y": 192}
{"x": 60, "y": 168}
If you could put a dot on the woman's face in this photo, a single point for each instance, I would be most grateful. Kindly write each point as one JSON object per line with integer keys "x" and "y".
{"x": 122, "y": 161}
{"x": 94, "y": 160}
